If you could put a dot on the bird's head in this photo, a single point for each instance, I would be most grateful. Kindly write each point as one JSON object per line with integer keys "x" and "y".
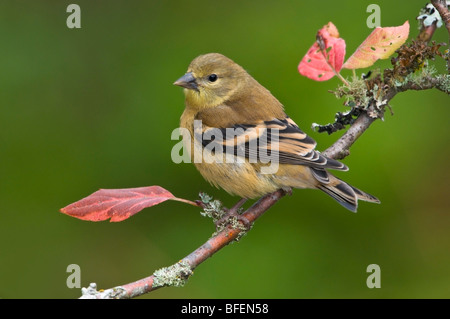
{"x": 210, "y": 80}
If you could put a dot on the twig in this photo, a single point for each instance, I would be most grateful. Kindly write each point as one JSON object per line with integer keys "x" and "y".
{"x": 440, "y": 82}
{"x": 340, "y": 149}
{"x": 426, "y": 32}
{"x": 442, "y": 8}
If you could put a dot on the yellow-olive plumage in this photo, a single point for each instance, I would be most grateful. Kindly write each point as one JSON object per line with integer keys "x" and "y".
{"x": 221, "y": 94}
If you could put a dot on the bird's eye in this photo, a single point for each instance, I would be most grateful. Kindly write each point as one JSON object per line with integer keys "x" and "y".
{"x": 212, "y": 78}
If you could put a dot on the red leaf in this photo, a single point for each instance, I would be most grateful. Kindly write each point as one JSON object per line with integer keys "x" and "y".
{"x": 314, "y": 65}
{"x": 118, "y": 204}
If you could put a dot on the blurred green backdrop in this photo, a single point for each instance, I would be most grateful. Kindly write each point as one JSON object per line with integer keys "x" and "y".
{"x": 83, "y": 109}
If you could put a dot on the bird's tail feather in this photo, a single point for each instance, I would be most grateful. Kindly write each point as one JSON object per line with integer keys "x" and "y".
{"x": 345, "y": 194}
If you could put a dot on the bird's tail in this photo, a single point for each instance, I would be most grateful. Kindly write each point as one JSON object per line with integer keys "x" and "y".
{"x": 345, "y": 194}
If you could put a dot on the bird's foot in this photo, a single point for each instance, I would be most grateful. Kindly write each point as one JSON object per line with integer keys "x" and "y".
{"x": 288, "y": 191}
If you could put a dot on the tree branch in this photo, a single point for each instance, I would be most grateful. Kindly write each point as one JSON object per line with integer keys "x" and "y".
{"x": 341, "y": 148}
{"x": 442, "y": 7}
{"x": 177, "y": 274}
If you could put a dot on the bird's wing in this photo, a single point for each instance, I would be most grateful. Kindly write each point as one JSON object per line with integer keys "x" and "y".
{"x": 265, "y": 141}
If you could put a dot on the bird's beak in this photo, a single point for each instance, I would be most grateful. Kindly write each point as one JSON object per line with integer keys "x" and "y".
{"x": 187, "y": 81}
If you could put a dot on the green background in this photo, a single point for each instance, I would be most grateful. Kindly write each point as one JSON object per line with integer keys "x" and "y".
{"x": 83, "y": 109}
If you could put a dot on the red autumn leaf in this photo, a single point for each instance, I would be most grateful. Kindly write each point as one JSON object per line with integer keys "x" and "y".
{"x": 325, "y": 55}
{"x": 118, "y": 204}
{"x": 380, "y": 44}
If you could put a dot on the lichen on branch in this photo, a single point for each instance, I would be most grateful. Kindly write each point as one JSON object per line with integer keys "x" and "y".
{"x": 372, "y": 95}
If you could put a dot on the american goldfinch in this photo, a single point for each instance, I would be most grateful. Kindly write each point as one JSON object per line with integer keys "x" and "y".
{"x": 221, "y": 97}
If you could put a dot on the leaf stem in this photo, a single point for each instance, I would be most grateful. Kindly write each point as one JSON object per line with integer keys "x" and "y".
{"x": 197, "y": 204}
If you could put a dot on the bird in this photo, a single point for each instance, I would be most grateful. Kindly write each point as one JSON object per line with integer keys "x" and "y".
{"x": 222, "y": 97}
